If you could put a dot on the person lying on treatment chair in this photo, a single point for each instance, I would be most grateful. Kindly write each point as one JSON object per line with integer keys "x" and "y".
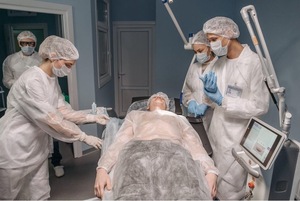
{"x": 157, "y": 155}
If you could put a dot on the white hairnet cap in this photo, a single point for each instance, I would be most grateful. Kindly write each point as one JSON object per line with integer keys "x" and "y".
{"x": 222, "y": 26}
{"x": 25, "y": 35}
{"x": 162, "y": 95}
{"x": 54, "y": 47}
{"x": 200, "y": 38}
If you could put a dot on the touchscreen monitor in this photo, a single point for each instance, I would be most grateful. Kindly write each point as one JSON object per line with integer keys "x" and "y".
{"x": 262, "y": 142}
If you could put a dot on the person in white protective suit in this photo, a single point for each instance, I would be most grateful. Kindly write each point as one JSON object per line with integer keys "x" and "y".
{"x": 161, "y": 177}
{"x": 192, "y": 96}
{"x": 236, "y": 87}
{"x": 37, "y": 110}
{"x": 15, "y": 64}
{"x": 13, "y": 67}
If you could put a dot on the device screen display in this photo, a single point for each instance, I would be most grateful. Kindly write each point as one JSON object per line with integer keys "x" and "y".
{"x": 260, "y": 141}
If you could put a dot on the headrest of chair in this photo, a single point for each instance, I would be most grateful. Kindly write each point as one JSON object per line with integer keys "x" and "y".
{"x": 142, "y": 105}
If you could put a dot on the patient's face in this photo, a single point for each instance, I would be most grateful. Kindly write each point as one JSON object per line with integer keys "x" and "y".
{"x": 157, "y": 103}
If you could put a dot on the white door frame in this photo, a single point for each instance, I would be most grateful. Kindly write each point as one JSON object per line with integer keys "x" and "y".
{"x": 68, "y": 32}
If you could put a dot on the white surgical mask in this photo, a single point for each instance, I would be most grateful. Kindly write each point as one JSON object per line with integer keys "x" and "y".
{"x": 218, "y": 49}
{"x": 27, "y": 50}
{"x": 202, "y": 57}
{"x": 61, "y": 72}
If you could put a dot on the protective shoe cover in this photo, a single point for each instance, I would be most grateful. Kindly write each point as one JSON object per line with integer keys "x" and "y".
{"x": 59, "y": 171}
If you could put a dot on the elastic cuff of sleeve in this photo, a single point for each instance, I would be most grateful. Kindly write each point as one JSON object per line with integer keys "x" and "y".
{"x": 224, "y": 103}
{"x": 190, "y": 101}
{"x": 102, "y": 168}
{"x": 213, "y": 172}
{"x": 90, "y": 118}
{"x": 82, "y": 137}
{"x": 220, "y": 102}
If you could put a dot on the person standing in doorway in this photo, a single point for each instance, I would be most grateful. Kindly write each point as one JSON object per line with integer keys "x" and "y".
{"x": 15, "y": 64}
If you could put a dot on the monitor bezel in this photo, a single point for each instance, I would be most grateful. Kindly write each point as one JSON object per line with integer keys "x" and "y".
{"x": 275, "y": 149}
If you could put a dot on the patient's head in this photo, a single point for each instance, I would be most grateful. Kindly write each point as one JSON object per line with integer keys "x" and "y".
{"x": 159, "y": 100}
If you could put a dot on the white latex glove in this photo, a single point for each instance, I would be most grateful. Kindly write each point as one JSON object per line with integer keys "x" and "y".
{"x": 101, "y": 119}
{"x": 101, "y": 110}
{"x": 91, "y": 140}
{"x": 98, "y": 118}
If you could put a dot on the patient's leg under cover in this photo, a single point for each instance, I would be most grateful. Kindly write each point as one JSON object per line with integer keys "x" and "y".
{"x": 158, "y": 170}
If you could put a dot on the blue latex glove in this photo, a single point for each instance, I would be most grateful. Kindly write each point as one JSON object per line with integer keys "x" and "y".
{"x": 192, "y": 107}
{"x": 215, "y": 97}
{"x": 210, "y": 82}
{"x": 197, "y": 109}
{"x": 201, "y": 109}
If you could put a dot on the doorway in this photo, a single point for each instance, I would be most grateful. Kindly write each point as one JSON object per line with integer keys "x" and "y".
{"x": 65, "y": 21}
{"x": 133, "y": 60}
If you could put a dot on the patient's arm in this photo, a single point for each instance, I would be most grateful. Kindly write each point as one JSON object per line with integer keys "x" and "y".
{"x": 193, "y": 143}
{"x": 212, "y": 183}
{"x": 124, "y": 135}
{"x": 102, "y": 181}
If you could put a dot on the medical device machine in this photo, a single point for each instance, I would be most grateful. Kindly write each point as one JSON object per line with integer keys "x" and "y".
{"x": 187, "y": 44}
{"x": 267, "y": 148}
{"x": 262, "y": 144}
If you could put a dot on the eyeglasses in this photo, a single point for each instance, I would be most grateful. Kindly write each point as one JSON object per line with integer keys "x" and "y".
{"x": 23, "y": 43}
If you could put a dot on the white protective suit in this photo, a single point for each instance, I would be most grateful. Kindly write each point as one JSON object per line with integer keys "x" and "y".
{"x": 30, "y": 118}
{"x": 193, "y": 88}
{"x": 154, "y": 125}
{"x": 158, "y": 124}
{"x": 15, "y": 64}
{"x": 229, "y": 121}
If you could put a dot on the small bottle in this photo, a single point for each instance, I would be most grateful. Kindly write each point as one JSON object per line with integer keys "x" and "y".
{"x": 94, "y": 108}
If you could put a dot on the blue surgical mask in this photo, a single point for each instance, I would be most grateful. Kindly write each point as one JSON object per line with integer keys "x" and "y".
{"x": 27, "y": 50}
{"x": 217, "y": 48}
{"x": 202, "y": 57}
{"x": 61, "y": 72}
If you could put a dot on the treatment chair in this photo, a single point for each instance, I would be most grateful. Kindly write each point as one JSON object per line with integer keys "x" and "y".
{"x": 140, "y": 103}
